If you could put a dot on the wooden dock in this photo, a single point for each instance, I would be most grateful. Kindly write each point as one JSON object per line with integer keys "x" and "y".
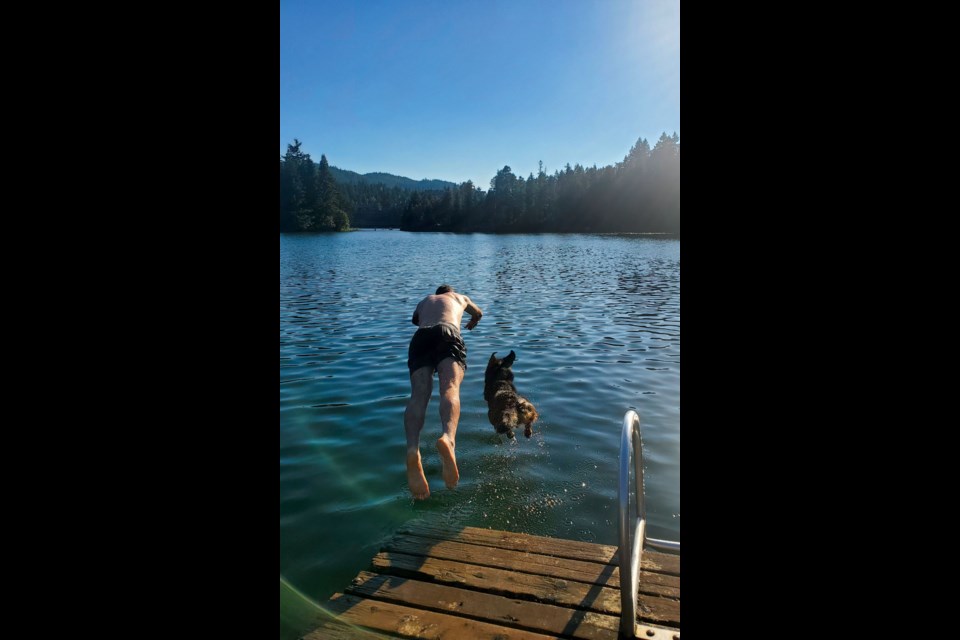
{"x": 430, "y": 582}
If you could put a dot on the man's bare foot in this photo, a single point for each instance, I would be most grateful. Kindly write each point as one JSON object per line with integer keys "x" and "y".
{"x": 451, "y": 475}
{"x": 415, "y": 478}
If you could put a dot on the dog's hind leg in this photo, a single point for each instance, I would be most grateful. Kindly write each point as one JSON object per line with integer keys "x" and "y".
{"x": 528, "y": 415}
{"x": 506, "y": 429}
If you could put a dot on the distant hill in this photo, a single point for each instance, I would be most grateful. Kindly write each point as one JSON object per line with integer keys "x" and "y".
{"x": 344, "y": 176}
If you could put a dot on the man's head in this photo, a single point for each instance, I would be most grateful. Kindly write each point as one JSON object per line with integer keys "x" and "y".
{"x": 444, "y": 288}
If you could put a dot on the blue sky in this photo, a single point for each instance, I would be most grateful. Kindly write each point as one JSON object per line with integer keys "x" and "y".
{"x": 457, "y": 89}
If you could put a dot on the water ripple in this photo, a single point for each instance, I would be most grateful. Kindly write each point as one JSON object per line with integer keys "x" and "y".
{"x": 595, "y": 324}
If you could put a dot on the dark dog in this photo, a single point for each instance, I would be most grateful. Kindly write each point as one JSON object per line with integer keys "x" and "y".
{"x": 507, "y": 409}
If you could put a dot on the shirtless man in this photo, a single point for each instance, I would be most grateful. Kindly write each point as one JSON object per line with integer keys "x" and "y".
{"x": 436, "y": 346}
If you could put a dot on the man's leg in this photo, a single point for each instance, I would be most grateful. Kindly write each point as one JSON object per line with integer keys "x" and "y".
{"x": 421, "y": 386}
{"x": 451, "y": 375}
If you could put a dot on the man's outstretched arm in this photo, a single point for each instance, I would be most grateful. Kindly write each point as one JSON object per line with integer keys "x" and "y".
{"x": 475, "y": 313}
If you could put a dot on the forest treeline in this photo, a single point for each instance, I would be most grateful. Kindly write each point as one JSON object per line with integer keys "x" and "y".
{"x": 639, "y": 194}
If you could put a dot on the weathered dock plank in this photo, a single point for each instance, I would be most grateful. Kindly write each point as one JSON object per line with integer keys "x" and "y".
{"x": 572, "y": 549}
{"x": 333, "y": 630}
{"x": 488, "y": 607}
{"x": 531, "y": 587}
{"x": 408, "y": 622}
{"x": 430, "y": 582}
{"x": 528, "y": 562}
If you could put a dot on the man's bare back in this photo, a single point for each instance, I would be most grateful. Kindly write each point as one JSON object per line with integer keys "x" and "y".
{"x": 447, "y": 307}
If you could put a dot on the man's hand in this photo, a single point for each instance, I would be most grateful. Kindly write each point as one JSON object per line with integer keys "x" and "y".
{"x": 473, "y": 322}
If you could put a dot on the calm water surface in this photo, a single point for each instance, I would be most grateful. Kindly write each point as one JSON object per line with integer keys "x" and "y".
{"x": 595, "y": 323}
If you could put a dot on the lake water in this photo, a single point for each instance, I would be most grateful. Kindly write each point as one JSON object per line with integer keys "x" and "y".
{"x": 595, "y": 323}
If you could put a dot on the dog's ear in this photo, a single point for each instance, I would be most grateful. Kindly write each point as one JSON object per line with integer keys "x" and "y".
{"x": 508, "y": 361}
{"x": 493, "y": 358}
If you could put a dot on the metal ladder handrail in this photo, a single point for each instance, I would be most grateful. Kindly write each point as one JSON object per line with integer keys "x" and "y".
{"x": 631, "y": 546}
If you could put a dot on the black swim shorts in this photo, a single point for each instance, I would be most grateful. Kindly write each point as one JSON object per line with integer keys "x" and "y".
{"x": 430, "y": 345}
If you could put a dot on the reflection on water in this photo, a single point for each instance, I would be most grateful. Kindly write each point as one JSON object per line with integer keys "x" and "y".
{"x": 595, "y": 323}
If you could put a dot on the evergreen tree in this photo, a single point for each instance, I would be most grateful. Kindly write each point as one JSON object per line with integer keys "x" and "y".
{"x": 642, "y": 193}
{"x": 307, "y": 213}
{"x": 330, "y": 211}
{"x": 293, "y": 196}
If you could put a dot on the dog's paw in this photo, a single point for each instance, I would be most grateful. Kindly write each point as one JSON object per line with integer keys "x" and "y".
{"x": 528, "y": 431}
